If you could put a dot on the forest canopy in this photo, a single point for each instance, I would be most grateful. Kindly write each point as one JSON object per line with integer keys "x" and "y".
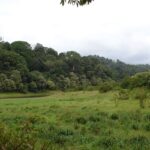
{"x": 23, "y": 68}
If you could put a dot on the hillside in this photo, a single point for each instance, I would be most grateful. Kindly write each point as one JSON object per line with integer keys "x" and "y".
{"x": 23, "y": 68}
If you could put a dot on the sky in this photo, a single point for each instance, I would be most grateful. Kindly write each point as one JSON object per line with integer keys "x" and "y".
{"x": 116, "y": 29}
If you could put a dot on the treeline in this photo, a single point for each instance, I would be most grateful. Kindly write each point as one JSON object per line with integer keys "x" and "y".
{"x": 23, "y": 69}
{"x": 141, "y": 79}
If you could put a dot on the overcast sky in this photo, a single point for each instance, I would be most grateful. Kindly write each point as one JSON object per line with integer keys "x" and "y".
{"x": 117, "y": 29}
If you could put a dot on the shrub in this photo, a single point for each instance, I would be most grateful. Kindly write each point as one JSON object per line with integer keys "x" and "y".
{"x": 33, "y": 87}
{"x": 65, "y": 132}
{"x": 135, "y": 126}
{"x": 147, "y": 127}
{"x": 136, "y": 115}
{"x": 22, "y": 140}
{"x": 9, "y": 85}
{"x": 147, "y": 117}
{"x": 81, "y": 120}
{"x": 141, "y": 95}
{"x": 59, "y": 140}
{"x": 36, "y": 119}
{"x": 107, "y": 142}
{"x": 123, "y": 94}
{"x": 140, "y": 142}
{"x": 94, "y": 128}
{"x": 105, "y": 87}
{"x": 114, "y": 117}
{"x": 94, "y": 119}
{"x": 51, "y": 85}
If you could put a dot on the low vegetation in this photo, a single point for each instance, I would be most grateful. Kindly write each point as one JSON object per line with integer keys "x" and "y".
{"x": 75, "y": 120}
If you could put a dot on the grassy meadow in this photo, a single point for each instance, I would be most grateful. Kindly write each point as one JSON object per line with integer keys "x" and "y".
{"x": 85, "y": 120}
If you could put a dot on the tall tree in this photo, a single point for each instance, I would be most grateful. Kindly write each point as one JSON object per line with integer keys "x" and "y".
{"x": 24, "y": 49}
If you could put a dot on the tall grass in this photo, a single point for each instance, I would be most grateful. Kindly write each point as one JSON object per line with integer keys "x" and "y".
{"x": 74, "y": 120}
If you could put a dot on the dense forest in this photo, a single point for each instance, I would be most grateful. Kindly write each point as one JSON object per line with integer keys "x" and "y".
{"x": 24, "y": 68}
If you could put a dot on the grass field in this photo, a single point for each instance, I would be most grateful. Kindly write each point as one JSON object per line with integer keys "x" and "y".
{"x": 85, "y": 120}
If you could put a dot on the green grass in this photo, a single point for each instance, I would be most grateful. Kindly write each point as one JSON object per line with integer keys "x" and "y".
{"x": 85, "y": 120}
{"x": 21, "y": 95}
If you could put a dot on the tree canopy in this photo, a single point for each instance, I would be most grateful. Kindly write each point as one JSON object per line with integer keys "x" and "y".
{"x": 24, "y": 68}
{"x": 76, "y": 2}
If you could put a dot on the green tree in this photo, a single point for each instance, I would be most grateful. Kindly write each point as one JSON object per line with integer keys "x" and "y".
{"x": 39, "y": 79}
{"x": 39, "y": 59}
{"x": 141, "y": 95}
{"x": 84, "y": 82}
{"x": 9, "y": 85}
{"x": 40, "y": 50}
{"x": 24, "y": 49}
{"x": 73, "y": 61}
{"x": 52, "y": 52}
{"x": 51, "y": 85}
{"x": 33, "y": 87}
{"x": 63, "y": 83}
{"x": 105, "y": 87}
{"x": 16, "y": 76}
{"x": 74, "y": 80}
{"x": 3, "y": 77}
{"x": 11, "y": 61}
{"x": 22, "y": 88}
{"x": 138, "y": 80}
{"x": 77, "y": 2}
{"x": 96, "y": 81}
{"x": 20, "y": 46}
{"x": 5, "y": 45}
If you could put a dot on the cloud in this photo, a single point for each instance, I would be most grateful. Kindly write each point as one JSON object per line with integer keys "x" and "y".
{"x": 114, "y": 29}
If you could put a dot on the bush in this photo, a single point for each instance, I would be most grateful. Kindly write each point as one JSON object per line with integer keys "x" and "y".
{"x": 107, "y": 142}
{"x": 33, "y": 87}
{"x": 123, "y": 94}
{"x": 147, "y": 117}
{"x": 114, "y": 117}
{"x": 135, "y": 126}
{"x": 95, "y": 128}
{"x": 141, "y": 95}
{"x": 140, "y": 142}
{"x": 81, "y": 120}
{"x": 65, "y": 132}
{"x": 136, "y": 115}
{"x": 51, "y": 85}
{"x": 22, "y": 140}
{"x": 105, "y": 87}
{"x": 36, "y": 119}
{"x": 9, "y": 85}
{"x": 94, "y": 119}
{"x": 147, "y": 127}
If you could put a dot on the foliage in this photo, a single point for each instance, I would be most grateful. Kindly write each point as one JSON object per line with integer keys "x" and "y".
{"x": 12, "y": 140}
{"x": 23, "y": 69}
{"x": 33, "y": 86}
{"x": 77, "y": 2}
{"x": 141, "y": 95}
{"x": 9, "y": 85}
{"x": 123, "y": 94}
{"x": 51, "y": 85}
{"x": 106, "y": 86}
{"x": 138, "y": 80}
{"x": 11, "y": 61}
